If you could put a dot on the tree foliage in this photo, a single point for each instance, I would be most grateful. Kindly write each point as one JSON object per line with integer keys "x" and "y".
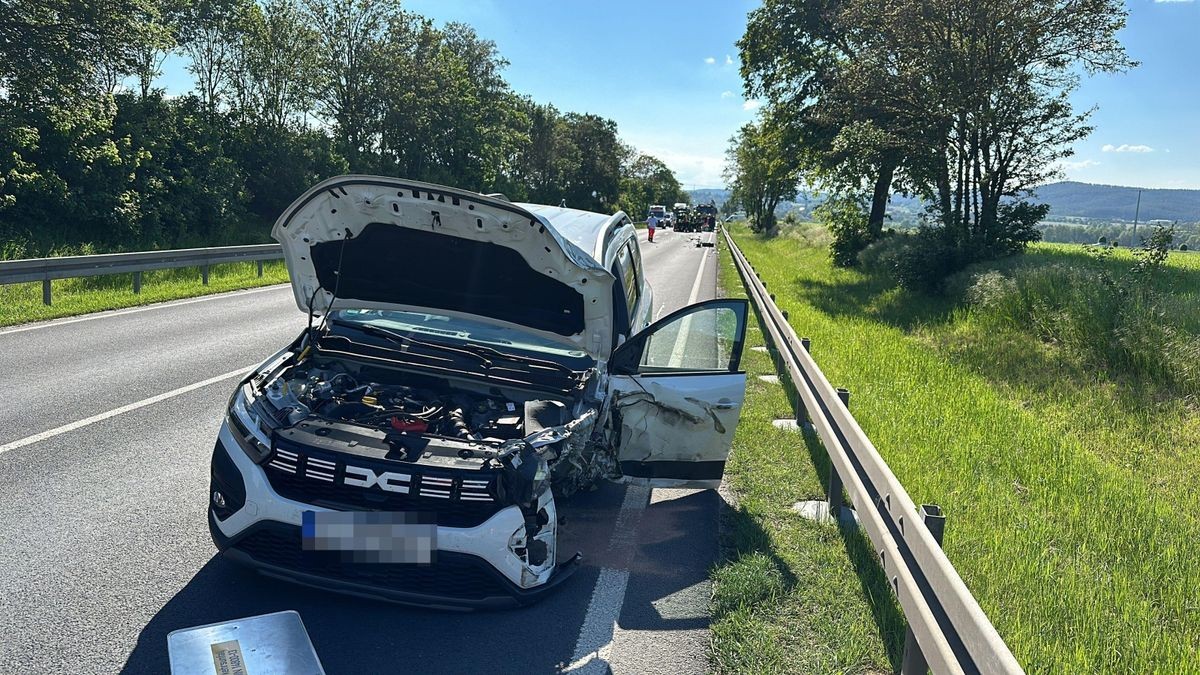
{"x": 965, "y": 103}
{"x": 762, "y": 170}
{"x": 287, "y": 92}
{"x": 646, "y": 180}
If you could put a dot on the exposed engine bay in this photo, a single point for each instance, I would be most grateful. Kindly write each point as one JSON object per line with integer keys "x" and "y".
{"x": 329, "y": 392}
{"x": 475, "y": 421}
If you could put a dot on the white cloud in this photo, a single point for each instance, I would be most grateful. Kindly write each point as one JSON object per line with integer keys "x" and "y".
{"x": 693, "y": 169}
{"x": 728, "y": 60}
{"x": 1080, "y": 165}
{"x": 710, "y": 60}
{"x": 727, "y": 94}
{"x": 751, "y": 104}
{"x": 1125, "y": 147}
{"x": 1169, "y": 1}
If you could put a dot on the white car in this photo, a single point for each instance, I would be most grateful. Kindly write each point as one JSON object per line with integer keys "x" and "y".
{"x": 469, "y": 361}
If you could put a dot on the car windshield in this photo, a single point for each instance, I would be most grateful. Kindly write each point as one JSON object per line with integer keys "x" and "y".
{"x": 454, "y": 330}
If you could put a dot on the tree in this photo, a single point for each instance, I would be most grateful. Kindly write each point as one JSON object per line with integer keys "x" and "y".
{"x": 592, "y": 179}
{"x": 762, "y": 169}
{"x": 968, "y": 99}
{"x": 807, "y": 59}
{"x": 545, "y": 156}
{"x": 86, "y": 166}
{"x": 646, "y": 180}
{"x": 51, "y": 50}
{"x": 1000, "y": 99}
{"x": 164, "y": 21}
{"x": 210, "y": 34}
{"x": 274, "y": 65}
{"x": 349, "y": 35}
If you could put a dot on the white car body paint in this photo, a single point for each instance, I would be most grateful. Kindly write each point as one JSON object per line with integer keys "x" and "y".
{"x": 488, "y": 541}
{"x": 350, "y": 203}
{"x": 675, "y": 422}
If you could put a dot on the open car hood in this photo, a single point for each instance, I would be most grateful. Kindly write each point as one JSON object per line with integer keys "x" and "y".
{"x": 414, "y": 246}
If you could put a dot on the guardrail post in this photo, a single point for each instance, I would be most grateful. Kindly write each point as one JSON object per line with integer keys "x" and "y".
{"x": 835, "y": 481}
{"x": 260, "y": 268}
{"x": 913, "y": 662}
{"x": 801, "y": 411}
{"x": 46, "y": 292}
{"x": 137, "y": 282}
{"x": 204, "y": 274}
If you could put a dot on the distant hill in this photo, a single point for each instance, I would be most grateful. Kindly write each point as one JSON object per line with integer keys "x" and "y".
{"x": 703, "y": 196}
{"x": 1067, "y": 199}
{"x": 1113, "y": 202}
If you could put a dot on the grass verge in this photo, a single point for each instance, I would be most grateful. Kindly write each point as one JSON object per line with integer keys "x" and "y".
{"x": 1070, "y": 486}
{"x": 22, "y": 303}
{"x": 790, "y": 595}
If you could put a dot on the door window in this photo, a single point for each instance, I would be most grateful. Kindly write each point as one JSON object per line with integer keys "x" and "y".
{"x": 706, "y": 337}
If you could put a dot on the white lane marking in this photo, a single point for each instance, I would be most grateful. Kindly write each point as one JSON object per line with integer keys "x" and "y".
{"x": 593, "y": 648}
{"x": 134, "y": 310}
{"x": 676, "y": 360}
{"x": 28, "y": 440}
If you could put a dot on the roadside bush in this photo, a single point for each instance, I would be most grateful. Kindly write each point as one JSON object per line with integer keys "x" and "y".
{"x": 1107, "y": 323}
{"x": 926, "y": 260}
{"x": 847, "y": 220}
{"x": 881, "y": 255}
{"x": 809, "y": 234}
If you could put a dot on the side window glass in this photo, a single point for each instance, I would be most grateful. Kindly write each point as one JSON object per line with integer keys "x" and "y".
{"x": 708, "y": 338}
{"x": 628, "y": 277}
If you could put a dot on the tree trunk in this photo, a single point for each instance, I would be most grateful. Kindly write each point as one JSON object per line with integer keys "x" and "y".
{"x": 883, "y": 191}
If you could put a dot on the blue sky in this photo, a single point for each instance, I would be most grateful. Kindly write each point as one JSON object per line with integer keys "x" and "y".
{"x": 667, "y": 72}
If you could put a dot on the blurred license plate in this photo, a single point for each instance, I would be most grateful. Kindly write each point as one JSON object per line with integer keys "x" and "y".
{"x": 371, "y": 536}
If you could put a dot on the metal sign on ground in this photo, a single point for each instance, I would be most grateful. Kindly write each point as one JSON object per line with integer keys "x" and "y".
{"x": 949, "y": 632}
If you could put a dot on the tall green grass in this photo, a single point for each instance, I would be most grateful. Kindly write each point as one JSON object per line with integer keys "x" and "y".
{"x": 22, "y": 303}
{"x": 790, "y": 595}
{"x": 1062, "y": 442}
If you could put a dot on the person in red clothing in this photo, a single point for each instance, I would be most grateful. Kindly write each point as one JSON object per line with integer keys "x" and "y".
{"x": 651, "y": 223}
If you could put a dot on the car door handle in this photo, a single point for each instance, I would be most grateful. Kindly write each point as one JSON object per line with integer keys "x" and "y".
{"x": 724, "y": 405}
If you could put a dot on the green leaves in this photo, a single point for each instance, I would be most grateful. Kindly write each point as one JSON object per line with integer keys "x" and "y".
{"x": 287, "y": 92}
{"x": 965, "y": 103}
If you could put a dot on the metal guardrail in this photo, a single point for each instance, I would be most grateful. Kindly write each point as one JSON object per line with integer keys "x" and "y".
{"x": 67, "y": 267}
{"x": 948, "y": 631}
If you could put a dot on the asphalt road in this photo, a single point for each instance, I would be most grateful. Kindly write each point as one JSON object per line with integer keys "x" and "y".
{"x": 106, "y": 428}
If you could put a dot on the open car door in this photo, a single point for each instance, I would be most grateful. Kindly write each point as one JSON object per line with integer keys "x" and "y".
{"x": 677, "y": 394}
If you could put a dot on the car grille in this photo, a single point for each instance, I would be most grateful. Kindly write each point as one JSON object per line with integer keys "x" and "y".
{"x": 448, "y": 498}
{"x": 452, "y": 575}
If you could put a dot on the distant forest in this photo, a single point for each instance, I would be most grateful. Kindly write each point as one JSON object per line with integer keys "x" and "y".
{"x": 1111, "y": 202}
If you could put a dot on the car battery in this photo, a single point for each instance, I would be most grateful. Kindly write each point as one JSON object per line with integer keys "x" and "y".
{"x": 270, "y": 644}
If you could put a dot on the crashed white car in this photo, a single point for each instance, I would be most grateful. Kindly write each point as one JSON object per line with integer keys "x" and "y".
{"x": 468, "y": 361}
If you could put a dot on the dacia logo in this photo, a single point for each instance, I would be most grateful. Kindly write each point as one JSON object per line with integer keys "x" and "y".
{"x": 388, "y": 481}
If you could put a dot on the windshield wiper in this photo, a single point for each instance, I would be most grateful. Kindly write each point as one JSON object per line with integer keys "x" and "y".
{"x": 400, "y": 338}
{"x": 485, "y": 355}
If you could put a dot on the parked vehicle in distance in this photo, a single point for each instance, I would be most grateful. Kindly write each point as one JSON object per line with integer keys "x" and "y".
{"x": 660, "y": 212}
{"x": 684, "y": 217}
{"x": 707, "y": 215}
{"x": 469, "y": 363}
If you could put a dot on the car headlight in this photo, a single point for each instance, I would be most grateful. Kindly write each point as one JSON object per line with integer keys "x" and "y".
{"x": 246, "y": 428}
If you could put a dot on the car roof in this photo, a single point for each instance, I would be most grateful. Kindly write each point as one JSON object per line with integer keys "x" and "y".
{"x": 585, "y": 229}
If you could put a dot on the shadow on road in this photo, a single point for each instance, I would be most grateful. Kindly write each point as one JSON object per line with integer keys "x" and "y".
{"x": 352, "y": 635}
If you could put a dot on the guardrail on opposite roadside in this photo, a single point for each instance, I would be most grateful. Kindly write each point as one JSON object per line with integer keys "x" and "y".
{"x": 947, "y": 630}
{"x": 67, "y": 267}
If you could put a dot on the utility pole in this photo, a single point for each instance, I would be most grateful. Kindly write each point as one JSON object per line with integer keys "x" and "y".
{"x": 1136, "y": 210}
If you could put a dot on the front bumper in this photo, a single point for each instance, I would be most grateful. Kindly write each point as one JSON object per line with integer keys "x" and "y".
{"x": 456, "y": 581}
{"x": 474, "y": 567}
